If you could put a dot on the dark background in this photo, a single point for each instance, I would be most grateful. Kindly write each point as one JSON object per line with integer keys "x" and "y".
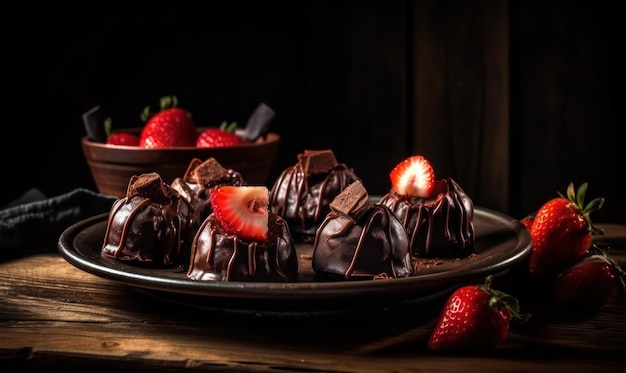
{"x": 330, "y": 71}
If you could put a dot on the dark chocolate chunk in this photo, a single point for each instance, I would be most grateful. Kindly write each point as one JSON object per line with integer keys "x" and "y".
{"x": 314, "y": 162}
{"x": 353, "y": 201}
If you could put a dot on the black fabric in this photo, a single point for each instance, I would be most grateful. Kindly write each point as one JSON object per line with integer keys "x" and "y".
{"x": 34, "y": 223}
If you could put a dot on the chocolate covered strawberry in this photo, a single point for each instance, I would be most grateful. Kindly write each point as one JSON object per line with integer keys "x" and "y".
{"x": 242, "y": 211}
{"x": 221, "y": 136}
{"x": 414, "y": 176}
{"x": 561, "y": 232}
{"x": 474, "y": 318}
{"x": 170, "y": 127}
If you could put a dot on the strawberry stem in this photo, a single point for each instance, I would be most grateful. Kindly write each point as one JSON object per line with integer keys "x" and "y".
{"x": 500, "y": 297}
{"x": 577, "y": 197}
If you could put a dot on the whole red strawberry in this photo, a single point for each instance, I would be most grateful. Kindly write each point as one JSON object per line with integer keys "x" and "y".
{"x": 220, "y": 137}
{"x": 589, "y": 284}
{"x": 561, "y": 232}
{"x": 123, "y": 138}
{"x": 119, "y": 137}
{"x": 474, "y": 318}
{"x": 170, "y": 127}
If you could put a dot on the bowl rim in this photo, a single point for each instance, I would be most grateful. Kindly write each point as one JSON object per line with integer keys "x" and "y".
{"x": 268, "y": 138}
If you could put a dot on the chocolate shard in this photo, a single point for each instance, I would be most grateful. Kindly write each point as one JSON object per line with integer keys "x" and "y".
{"x": 353, "y": 201}
{"x": 148, "y": 185}
{"x": 205, "y": 173}
{"x": 313, "y": 162}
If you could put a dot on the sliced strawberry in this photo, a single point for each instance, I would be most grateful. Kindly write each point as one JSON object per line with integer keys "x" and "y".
{"x": 123, "y": 138}
{"x": 413, "y": 177}
{"x": 242, "y": 210}
{"x": 220, "y": 137}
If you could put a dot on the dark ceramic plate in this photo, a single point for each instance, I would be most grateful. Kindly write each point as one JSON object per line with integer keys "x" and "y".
{"x": 501, "y": 242}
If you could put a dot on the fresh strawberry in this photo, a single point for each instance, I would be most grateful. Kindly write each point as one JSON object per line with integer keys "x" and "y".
{"x": 413, "y": 177}
{"x": 123, "y": 138}
{"x": 119, "y": 137}
{"x": 561, "y": 232}
{"x": 589, "y": 284}
{"x": 220, "y": 137}
{"x": 242, "y": 210}
{"x": 170, "y": 127}
{"x": 474, "y": 318}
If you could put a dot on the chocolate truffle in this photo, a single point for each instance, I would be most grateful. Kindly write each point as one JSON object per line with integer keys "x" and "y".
{"x": 440, "y": 226}
{"x": 303, "y": 192}
{"x": 360, "y": 240}
{"x": 151, "y": 225}
{"x": 222, "y": 250}
{"x": 198, "y": 180}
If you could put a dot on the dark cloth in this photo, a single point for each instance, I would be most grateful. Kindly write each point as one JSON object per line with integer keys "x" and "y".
{"x": 34, "y": 223}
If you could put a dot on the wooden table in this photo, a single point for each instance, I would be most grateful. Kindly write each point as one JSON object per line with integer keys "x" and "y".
{"x": 53, "y": 315}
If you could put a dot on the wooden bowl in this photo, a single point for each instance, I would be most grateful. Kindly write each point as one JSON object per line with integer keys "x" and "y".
{"x": 112, "y": 166}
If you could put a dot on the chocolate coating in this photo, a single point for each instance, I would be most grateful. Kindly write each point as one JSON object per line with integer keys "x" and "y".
{"x": 303, "y": 200}
{"x": 441, "y": 226}
{"x": 219, "y": 256}
{"x": 374, "y": 245}
{"x": 141, "y": 230}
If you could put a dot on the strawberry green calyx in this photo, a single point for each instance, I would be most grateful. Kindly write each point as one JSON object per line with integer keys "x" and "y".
{"x": 166, "y": 102}
{"x": 500, "y": 298}
{"x": 228, "y": 127}
{"x": 577, "y": 197}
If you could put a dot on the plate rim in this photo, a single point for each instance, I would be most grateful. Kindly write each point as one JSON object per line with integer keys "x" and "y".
{"x": 296, "y": 291}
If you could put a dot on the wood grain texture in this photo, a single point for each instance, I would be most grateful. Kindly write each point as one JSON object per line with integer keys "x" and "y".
{"x": 55, "y": 315}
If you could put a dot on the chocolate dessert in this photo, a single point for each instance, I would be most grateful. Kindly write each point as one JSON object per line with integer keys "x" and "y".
{"x": 151, "y": 225}
{"x": 439, "y": 226}
{"x": 303, "y": 192}
{"x": 360, "y": 240}
{"x": 199, "y": 178}
{"x": 242, "y": 241}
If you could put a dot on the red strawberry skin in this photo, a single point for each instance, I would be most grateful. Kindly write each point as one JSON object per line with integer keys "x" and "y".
{"x": 216, "y": 137}
{"x": 467, "y": 322}
{"x": 171, "y": 127}
{"x": 123, "y": 138}
{"x": 560, "y": 236}
{"x": 586, "y": 286}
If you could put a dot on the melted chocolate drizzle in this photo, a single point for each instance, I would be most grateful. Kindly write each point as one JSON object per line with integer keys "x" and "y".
{"x": 219, "y": 256}
{"x": 441, "y": 226}
{"x": 373, "y": 246}
{"x": 303, "y": 200}
{"x": 138, "y": 229}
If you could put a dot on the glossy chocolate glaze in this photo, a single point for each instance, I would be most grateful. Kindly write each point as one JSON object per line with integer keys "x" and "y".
{"x": 374, "y": 245}
{"x": 196, "y": 184}
{"x": 142, "y": 230}
{"x": 219, "y": 256}
{"x": 303, "y": 201}
{"x": 441, "y": 226}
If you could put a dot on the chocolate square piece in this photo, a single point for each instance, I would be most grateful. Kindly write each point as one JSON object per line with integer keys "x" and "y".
{"x": 149, "y": 185}
{"x": 314, "y": 162}
{"x": 353, "y": 201}
{"x": 205, "y": 173}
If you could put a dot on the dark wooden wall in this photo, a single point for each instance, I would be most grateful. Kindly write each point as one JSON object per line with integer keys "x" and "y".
{"x": 514, "y": 99}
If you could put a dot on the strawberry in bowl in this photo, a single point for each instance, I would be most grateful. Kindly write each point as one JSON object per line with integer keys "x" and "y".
{"x": 167, "y": 144}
